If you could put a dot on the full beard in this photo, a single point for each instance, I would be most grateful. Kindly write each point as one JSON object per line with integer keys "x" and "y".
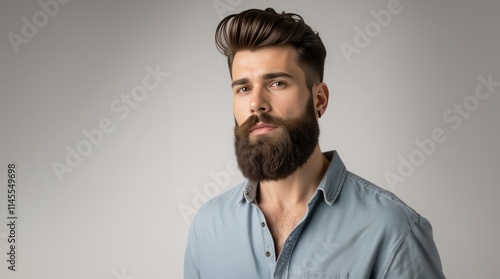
{"x": 276, "y": 155}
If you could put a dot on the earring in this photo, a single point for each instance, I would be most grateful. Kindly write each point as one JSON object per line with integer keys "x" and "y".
{"x": 319, "y": 114}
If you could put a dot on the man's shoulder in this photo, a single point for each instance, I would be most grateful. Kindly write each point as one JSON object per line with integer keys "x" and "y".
{"x": 225, "y": 201}
{"x": 383, "y": 203}
{"x": 222, "y": 215}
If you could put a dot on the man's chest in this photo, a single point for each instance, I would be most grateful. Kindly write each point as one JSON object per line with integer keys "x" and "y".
{"x": 281, "y": 223}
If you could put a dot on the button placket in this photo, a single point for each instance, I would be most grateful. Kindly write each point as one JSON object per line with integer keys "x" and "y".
{"x": 268, "y": 240}
{"x": 286, "y": 253}
{"x": 266, "y": 232}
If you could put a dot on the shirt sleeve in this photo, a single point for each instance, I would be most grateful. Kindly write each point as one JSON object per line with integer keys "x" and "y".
{"x": 191, "y": 258}
{"x": 416, "y": 255}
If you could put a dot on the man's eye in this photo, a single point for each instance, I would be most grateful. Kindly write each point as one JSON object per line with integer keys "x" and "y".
{"x": 243, "y": 89}
{"x": 278, "y": 84}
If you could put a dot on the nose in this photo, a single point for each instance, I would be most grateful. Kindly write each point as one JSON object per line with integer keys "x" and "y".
{"x": 258, "y": 103}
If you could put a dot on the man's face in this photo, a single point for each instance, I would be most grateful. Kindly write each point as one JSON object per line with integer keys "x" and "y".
{"x": 276, "y": 127}
{"x": 268, "y": 80}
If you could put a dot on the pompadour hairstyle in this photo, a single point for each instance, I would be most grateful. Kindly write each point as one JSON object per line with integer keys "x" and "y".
{"x": 254, "y": 28}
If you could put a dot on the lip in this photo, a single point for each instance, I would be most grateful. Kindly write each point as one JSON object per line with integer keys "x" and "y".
{"x": 262, "y": 128}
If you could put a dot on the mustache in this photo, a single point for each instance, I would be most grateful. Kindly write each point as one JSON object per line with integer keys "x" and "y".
{"x": 245, "y": 127}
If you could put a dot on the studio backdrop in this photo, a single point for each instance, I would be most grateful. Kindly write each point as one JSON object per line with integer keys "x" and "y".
{"x": 116, "y": 125}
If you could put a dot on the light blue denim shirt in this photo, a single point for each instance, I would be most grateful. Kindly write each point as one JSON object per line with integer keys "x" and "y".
{"x": 352, "y": 229}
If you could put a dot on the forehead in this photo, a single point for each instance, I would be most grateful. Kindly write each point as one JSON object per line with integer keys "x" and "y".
{"x": 257, "y": 62}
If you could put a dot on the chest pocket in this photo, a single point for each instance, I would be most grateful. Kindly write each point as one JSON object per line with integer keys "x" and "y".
{"x": 319, "y": 275}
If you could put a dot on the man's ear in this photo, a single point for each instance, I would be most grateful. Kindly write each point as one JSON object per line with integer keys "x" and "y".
{"x": 320, "y": 95}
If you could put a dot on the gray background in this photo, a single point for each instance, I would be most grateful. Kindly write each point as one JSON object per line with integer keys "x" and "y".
{"x": 123, "y": 212}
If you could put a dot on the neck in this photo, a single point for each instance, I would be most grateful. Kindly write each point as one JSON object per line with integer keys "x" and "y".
{"x": 296, "y": 189}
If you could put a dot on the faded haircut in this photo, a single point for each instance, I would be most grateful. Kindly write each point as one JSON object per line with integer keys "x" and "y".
{"x": 254, "y": 28}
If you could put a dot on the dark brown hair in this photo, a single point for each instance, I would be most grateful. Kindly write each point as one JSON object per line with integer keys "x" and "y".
{"x": 252, "y": 29}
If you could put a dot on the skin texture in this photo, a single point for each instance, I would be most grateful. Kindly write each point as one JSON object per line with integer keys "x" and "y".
{"x": 270, "y": 80}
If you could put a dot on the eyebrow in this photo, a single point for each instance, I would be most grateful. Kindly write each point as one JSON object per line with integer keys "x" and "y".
{"x": 264, "y": 77}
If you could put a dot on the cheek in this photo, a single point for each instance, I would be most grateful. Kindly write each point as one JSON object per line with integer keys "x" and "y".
{"x": 293, "y": 108}
{"x": 240, "y": 112}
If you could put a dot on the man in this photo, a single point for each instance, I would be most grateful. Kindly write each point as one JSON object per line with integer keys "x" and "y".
{"x": 300, "y": 214}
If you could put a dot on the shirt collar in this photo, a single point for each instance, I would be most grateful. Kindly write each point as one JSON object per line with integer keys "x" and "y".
{"x": 330, "y": 185}
{"x": 334, "y": 177}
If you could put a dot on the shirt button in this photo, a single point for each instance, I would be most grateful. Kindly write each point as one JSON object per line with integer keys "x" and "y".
{"x": 268, "y": 254}
{"x": 263, "y": 224}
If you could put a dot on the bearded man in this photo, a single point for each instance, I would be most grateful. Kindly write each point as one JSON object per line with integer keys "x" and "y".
{"x": 300, "y": 213}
